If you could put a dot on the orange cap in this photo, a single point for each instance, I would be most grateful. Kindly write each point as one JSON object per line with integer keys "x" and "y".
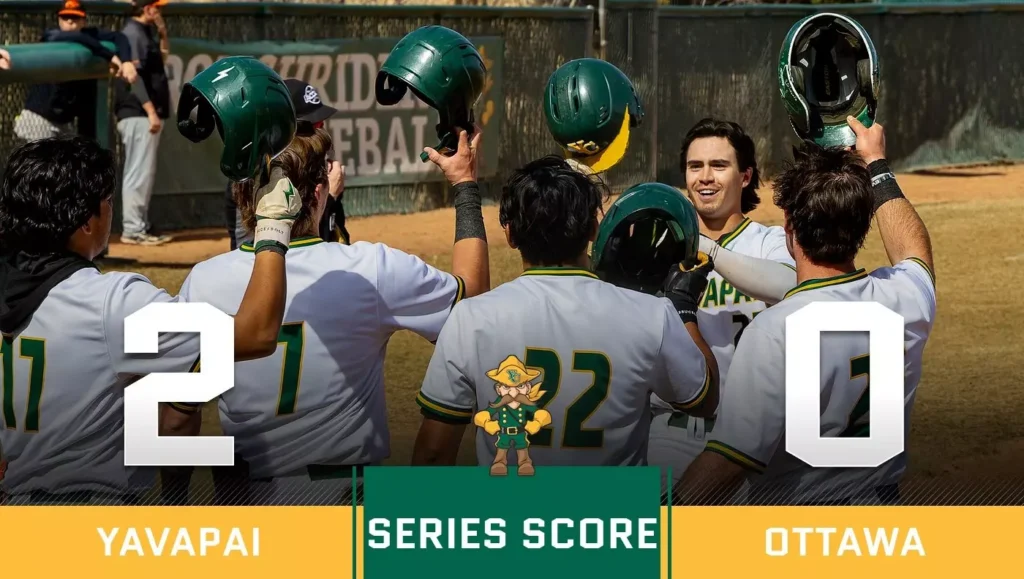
{"x": 72, "y": 8}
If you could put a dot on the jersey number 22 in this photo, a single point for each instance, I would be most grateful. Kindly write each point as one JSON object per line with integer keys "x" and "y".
{"x": 574, "y": 435}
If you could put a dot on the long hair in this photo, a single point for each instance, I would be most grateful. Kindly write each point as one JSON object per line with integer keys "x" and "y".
{"x": 305, "y": 163}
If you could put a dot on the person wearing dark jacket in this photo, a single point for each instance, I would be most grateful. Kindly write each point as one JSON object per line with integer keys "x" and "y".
{"x": 53, "y": 108}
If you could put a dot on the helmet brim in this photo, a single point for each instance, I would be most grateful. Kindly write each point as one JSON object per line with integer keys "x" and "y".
{"x": 610, "y": 155}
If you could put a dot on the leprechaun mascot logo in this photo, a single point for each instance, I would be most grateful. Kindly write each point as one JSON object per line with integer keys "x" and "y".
{"x": 514, "y": 416}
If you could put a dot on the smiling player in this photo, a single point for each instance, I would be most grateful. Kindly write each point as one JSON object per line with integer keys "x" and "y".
{"x": 753, "y": 268}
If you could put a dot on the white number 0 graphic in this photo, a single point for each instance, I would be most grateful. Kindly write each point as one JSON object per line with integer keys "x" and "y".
{"x": 803, "y": 388}
{"x": 142, "y": 445}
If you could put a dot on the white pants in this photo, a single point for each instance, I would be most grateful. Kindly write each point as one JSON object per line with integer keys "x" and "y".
{"x": 676, "y": 439}
{"x": 140, "y": 148}
{"x": 33, "y": 127}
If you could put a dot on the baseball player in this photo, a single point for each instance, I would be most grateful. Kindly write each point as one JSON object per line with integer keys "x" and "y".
{"x": 311, "y": 113}
{"x": 828, "y": 198}
{"x": 596, "y": 350}
{"x": 753, "y": 268}
{"x": 63, "y": 349}
{"x": 307, "y": 418}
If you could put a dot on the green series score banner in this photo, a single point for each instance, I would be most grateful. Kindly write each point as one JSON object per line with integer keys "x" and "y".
{"x": 378, "y": 145}
{"x": 561, "y": 521}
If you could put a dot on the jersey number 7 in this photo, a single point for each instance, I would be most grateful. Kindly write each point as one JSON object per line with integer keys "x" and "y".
{"x": 574, "y": 435}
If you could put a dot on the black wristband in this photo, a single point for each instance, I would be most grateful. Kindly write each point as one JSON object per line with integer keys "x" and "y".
{"x": 688, "y": 316}
{"x": 469, "y": 217}
{"x": 883, "y": 183}
{"x": 271, "y": 247}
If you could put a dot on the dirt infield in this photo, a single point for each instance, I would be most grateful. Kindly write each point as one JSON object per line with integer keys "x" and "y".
{"x": 430, "y": 233}
{"x": 966, "y": 422}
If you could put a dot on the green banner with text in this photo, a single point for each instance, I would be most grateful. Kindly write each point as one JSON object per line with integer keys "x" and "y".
{"x": 560, "y": 522}
{"x": 378, "y": 145}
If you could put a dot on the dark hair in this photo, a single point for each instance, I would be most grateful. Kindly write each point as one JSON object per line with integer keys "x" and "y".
{"x": 51, "y": 187}
{"x": 827, "y": 199}
{"x": 746, "y": 154}
{"x": 550, "y": 210}
{"x": 304, "y": 162}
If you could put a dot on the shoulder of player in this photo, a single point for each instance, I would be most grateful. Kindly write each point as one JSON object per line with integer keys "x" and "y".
{"x": 758, "y": 233}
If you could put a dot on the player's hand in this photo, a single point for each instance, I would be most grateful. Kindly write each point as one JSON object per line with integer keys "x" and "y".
{"x": 277, "y": 207}
{"x": 155, "y": 123}
{"x": 870, "y": 144}
{"x": 491, "y": 427}
{"x": 335, "y": 178}
{"x": 128, "y": 72}
{"x": 115, "y": 67}
{"x": 460, "y": 167}
{"x": 5, "y": 60}
{"x": 685, "y": 285}
{"x": 708, "y": 246}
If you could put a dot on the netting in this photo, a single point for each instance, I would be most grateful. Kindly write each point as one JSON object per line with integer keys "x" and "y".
{"x": 947, "y": 96}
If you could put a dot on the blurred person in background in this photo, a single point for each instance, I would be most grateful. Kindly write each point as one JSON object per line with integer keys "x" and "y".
{"x": 54, "y": 108}
{"x": 141, "y": 110}
{"x": 311, "y": 114}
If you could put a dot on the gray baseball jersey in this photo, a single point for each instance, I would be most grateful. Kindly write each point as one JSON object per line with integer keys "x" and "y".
{"x": 724, "y": 312}
{"x": 752, "y": 416}
{"x": 320, "y": 398}
{"x": 64, "y": 376}
{"x": 601, "y": 351}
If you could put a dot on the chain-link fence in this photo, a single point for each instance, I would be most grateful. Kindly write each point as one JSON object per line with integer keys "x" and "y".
{"x": 948, "y": 97}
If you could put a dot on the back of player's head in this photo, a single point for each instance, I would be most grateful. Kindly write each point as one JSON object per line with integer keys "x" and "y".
{"x": 551, "y": 211}
{"x": 51, "y": 187}
{"x": 746, "y": 153}
{"x": 304, "y": 162}
{"x": 827, "y": 199}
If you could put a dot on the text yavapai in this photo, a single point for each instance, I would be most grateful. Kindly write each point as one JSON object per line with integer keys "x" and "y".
{"x": 179, "y": 542}
{"x": 497, "y": 533}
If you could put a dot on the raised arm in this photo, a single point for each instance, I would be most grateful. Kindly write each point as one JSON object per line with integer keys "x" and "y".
{"x": 904, "y": 234}
{"x": 762, "y": 279}
{"x": 469, "y": 255}
{"x": 691, "y": 388}
{"x": 261, "y": 312}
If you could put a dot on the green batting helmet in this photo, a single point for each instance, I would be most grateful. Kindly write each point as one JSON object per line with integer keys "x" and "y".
{"x": 443, "y": 69}
{"x": 590, "y": 107}
{"x": 647, "y": 231}
{"x": 828, "y": 70}
{"x": 249, "y": 106}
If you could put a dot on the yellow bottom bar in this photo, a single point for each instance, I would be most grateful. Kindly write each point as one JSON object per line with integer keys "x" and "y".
{"x": 834, "y": 542}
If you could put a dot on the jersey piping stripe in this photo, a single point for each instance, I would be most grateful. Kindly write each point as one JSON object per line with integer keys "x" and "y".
{"x": 729, "y": 237}
{"x": 460, "y": 293}
{"x": 700, "y": 395}
{"x": 828, "y": 281}
{"x": 441, "y": 408}
{"x": 297, "y": 242}
{"x": 559, "y": 271}
{"x": 735, "y": 456}
{"x": 921, "y": 262}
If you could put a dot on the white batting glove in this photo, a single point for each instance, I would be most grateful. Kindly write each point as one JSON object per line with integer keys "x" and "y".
{"x": 277, "y": 206}
{"x": 706, "y": 245}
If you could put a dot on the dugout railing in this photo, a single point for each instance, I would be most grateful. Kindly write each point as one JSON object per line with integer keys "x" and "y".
{"x": 952, "y": 77}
